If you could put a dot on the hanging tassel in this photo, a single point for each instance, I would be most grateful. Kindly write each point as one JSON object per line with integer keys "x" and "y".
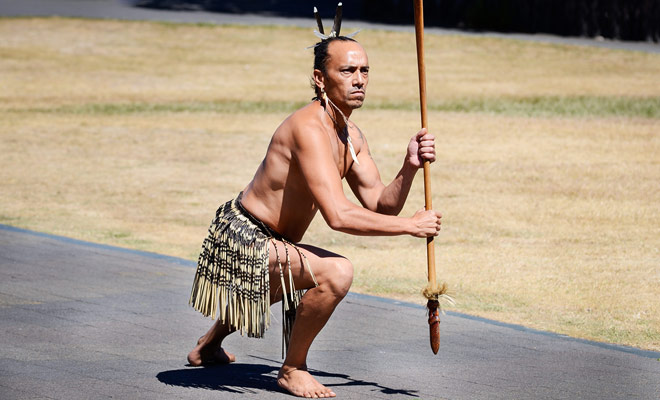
{"x": 290, "y": 314}
{"x": 351, "y": 148}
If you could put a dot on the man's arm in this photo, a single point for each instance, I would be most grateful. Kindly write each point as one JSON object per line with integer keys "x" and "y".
{"x": 365, "y": 180}
{"x": 313, "y": 152}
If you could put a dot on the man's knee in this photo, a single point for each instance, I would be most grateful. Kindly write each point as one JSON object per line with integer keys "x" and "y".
{"x": 340, "y": 277}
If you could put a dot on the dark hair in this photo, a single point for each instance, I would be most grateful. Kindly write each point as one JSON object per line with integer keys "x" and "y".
{"x": 321, "y": 57}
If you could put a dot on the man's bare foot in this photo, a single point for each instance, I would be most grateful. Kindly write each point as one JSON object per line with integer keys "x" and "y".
{"x": 206, "y": 355}
{"x": 299, "y": 382}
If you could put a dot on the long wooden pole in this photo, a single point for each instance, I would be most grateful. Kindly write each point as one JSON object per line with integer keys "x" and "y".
{"x": 434, "y": 318}
{"x": 421, "y": 69}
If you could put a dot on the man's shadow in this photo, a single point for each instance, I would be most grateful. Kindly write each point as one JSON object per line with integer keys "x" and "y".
{"x": 233, "y": 378}
{"x": 251, "y": 378}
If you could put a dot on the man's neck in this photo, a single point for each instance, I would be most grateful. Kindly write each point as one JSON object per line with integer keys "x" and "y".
{"x": 339, "y": 117}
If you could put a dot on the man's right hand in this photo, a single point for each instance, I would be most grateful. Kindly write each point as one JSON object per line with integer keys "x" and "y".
{"x": 426, "y": 223}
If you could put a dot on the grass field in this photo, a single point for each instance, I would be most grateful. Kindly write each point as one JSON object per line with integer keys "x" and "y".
{"x": 132, "y": 133}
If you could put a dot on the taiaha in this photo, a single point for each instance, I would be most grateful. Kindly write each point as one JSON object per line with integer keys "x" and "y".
{"x": 433, "y": 292}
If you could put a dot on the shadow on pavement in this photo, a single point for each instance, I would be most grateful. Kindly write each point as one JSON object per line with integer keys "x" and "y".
{"x": 234, "y": 378}
{"x": 250, "y": 378}
{"x": 357, "y": 382}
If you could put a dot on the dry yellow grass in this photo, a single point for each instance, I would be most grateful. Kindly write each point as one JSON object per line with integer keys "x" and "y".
{"x": 550, "y": 221}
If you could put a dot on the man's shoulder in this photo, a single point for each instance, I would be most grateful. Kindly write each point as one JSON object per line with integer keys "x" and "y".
{"x": 306, "y": 120}
{"x": 309, "y": 113}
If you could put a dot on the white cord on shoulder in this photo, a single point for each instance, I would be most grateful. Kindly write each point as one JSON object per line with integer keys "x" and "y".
{"x": 348, "y": 136}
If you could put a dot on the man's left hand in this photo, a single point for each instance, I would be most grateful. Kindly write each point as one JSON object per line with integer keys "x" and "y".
{"x": 421, "y": 148}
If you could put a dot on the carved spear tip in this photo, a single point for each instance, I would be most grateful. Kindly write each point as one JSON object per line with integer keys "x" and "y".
{"x": 434, "y": 325}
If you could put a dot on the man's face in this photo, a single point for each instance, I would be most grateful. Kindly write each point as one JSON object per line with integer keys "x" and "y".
{"x": 347, "y": 74}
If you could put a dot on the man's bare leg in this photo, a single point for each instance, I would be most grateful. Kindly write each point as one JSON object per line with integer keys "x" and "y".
{"x": 334, "y": 275}
{"x": 209, "y": 347}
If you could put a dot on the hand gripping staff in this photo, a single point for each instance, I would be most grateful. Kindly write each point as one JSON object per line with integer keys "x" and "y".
{"x": 433, "y": 292}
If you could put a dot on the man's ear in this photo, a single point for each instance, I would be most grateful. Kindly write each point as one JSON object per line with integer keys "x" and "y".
{"x": 319, "y": 79}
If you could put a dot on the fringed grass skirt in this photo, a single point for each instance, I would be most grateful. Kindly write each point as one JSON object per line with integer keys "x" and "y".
{"x": 232, "y": 273}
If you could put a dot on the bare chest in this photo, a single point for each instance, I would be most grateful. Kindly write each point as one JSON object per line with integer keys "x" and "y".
{"x": 341, "y": 152}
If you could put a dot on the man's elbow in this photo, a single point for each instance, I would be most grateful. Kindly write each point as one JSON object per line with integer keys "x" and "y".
{"x": 336, "y": 223}
{"x": 388, "y": 210}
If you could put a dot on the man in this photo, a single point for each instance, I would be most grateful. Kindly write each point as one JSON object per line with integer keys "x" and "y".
{"x": 309, "y": 154}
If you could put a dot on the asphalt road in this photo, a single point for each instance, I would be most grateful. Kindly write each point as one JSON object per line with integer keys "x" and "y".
{"x": 86, "y": 321}
{"x": 117, "y": 9}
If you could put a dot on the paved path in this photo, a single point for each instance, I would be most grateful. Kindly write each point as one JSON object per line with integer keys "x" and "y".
{"x": 87, "y": 321}
{"x": 122, "y": 10}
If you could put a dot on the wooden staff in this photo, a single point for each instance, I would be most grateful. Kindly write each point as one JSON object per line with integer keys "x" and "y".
{"x": 432, "y": 291}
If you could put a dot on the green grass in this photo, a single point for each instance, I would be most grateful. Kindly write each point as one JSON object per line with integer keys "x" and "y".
{"x": 546, "y": 106}
{"x": 540, "y": 106}
{"x": 257, "y": 107}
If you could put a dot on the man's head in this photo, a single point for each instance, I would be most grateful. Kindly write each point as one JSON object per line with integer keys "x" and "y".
{"x": 341, "y": 69}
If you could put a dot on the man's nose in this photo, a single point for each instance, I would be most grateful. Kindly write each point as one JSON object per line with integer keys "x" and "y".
{"x": 358, "y": 80}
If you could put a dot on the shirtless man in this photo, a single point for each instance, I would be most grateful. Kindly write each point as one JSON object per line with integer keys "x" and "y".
{"x": 307, "y": 158}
